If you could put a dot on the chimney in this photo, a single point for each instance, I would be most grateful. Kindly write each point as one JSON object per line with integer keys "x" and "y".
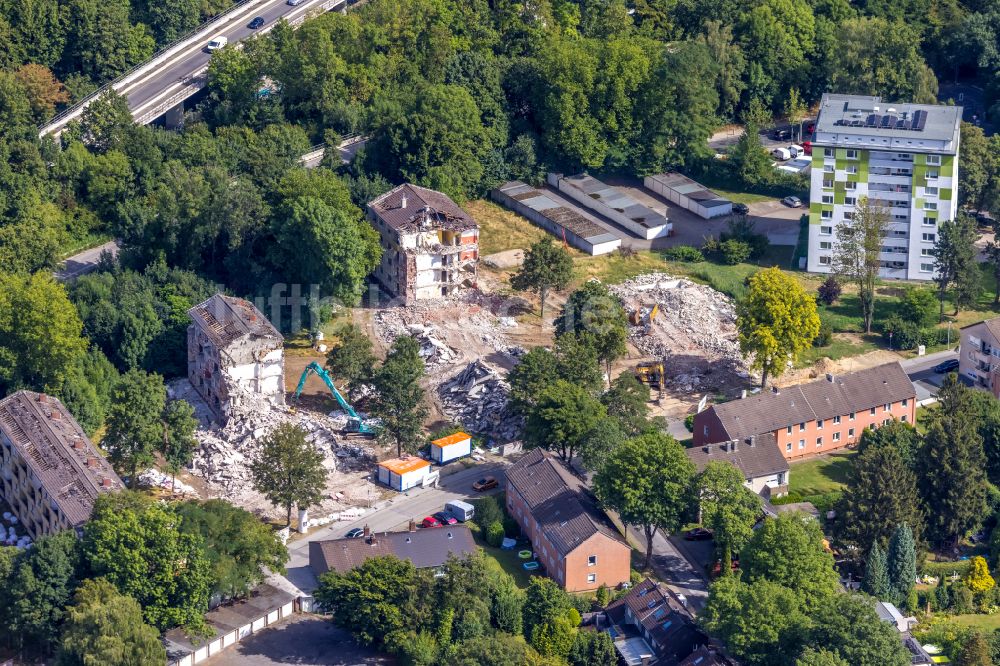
{"x": 78, "y": 444}
{"x": 413, "y": 525}
{"x": 708, "y": 449}
{"x": 55, "y": 415}
{"x": 42, "y": 397}
{"x": 774, "y": 390}
{"x": 106, "y": 482}
{"x": 751, "y": 440}
{"x": 743, "y": 394}
{"x": 91, "y": 462}
{"x": 367, "y": 531}
{"x": 734, "y": 445}
{"x": 402, "y": 201}
{"x": 450, "y": 535}
{"x": 829, "y": 377}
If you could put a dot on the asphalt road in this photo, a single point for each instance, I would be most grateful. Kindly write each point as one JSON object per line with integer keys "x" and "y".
{"x": 920, "y": 370}
{"x": 394, "y": 516}
{"x": 84, "y": 262}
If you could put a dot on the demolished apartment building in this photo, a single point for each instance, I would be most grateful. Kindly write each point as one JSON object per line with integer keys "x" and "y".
{"x": 430, "y": 246}
{"x": 232, "y": 349}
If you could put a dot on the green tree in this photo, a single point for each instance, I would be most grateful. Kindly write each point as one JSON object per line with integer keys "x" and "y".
{"x": 593, "y": 648}
{"x": 901, "y": 564}
{"x": 288, "y": 470}
{"x": 881, "y": 494}
{"x": 819, "y": 657}
{"x": 647, "y": 481}
{"x": 975, "y": 651}
{"x": 136, "y": 544}
{"x": 955, "y": 263}
{"x": 749, "y": 159}
{"x": 598, "y": 318}
{"x": 40, "y": 333}
{"x": 918, "y": 305}
{"x": 757, "y": 620}
{"x": 105, "y": 627}
{"x": 38, "y": 590}
{"x": 554, "y": 638}
{"x": 847, "y": 625}
{"x": 952, "y": 467}
{"x": 241, "y": 549}
{"x": 876, "y": 580}
{"x": 728, "y": 508}
{"x": 986, "y": 415}
{"x": 563, "y": 417}
{"x": 178, "y": 444}
{"x": 856, "y": 256}
{"x": 775, "y": 321}
{"x": 902, "y": 437}
{"x": 626, "y": 402}
{"x": 399, "y": 400}
{"x": 599, "y": 442}
{"x": 789, "y": 551}
{"x": 729, "y": 83}
{"x": 546, "y": 266}
{"x": 106, "y": 122}
{"x": 795, "y": 109}
{"x": 371, "y": 600}
{"x": 135, "y": 429}
{"x": 351, "y": 358}
{"x": 544, "y": 603}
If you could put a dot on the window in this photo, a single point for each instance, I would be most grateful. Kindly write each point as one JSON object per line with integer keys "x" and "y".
{"x": 704, "y": 431}
{"x": 819, "y": 442}
{"x": 887, "y": 407}
{"x": 836, "y": 420}
{"x": 885, "y": 422}
{"x": 903, "y": 418}
{"x": 826, "y": 215}
{"x": 819, "y": 424}
{"x": 852, "y": 169}
{"x": 825, "y": 245}
{"x": 788, "y": 447}
{"x": 850, "y": 186}
{"x": 836, "y": 436}
{"x": 802, "y": 427}
{"x": 926, "y": 252}
{"x": 828, "y": 198}
{"x": 928, "y": 238}
{"x": 905, "y": 402}
{"x": 788, "y": 430}
{"x": 873, "y": 411}
{"x": 592, "y": 560}
{"x": 852, "y": 154}
{"x": 904, "y": 156}
{"x": 850, "y": 433}
{"x": 851, "y": 416}
{"x": 932, "y": 191}
{"x": 828, "y": 183}
{"x": 591, "y": 578}
{"x": 825, "y": 231}
{"x": 824, "y": 261}
{"x": 827, "y": 168}
{"x": 926, "y": 268}
{"x": 850, "y": 201}
{"x": 932, "y": 174}
{"x": 930, "y": 221}
{"x": 828, "y": 152}
{"x": 802, "y": 443}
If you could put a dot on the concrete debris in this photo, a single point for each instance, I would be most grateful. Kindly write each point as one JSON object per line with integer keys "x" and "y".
{"x": 479, "y": 399}
{"x": 224, "y": 453}
{"x": 694, "y": 332}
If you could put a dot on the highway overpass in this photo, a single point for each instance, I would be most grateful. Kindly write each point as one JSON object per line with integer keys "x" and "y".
{"x": 159, "y": 86}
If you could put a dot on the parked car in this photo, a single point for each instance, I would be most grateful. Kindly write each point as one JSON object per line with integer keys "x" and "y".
{"x": 355, "y": 533}
{"x": 781, "y": 135}
{"x": 256, "y": 23}
{"x": 430, "y": 521}
{"x": 792, "y": 202}
{"x": 485, "y": 483}
{"x": 741, "y": 208}
{"x": 946, "y": 366}
{"x": 781, "y": 154}
{"x": 217, "y": 43}
{"x": 808, "y": 147}
{"x": 698, "y": 534}
{"x": 811, "y": 128}
{"x": 445, "y": 518}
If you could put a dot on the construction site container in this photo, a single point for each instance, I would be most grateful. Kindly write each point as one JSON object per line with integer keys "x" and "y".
{"x": 451, "y": 447}
{"x": 403, "y": 473}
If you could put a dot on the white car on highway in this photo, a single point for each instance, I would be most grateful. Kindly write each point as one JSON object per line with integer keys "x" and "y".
{"x": 217, "y": 43}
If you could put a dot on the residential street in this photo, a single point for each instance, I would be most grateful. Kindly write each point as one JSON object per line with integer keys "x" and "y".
{"x": 84, "y": 262}
{"x": 921, "y": 373}
{"x": 671, "y": 566}
{"x": 394, "y": 516}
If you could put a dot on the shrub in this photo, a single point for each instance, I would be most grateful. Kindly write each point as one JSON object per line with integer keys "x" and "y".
{"x": 488, "y": 511}
{"x": 689, "y": 422}
{"x": 900, "y": 333}
{"x": 734, "y": 251}
{"x": 920, "y": 306}
{"x": 603, "y": 595}
{"x": 494, "y": 534}
{"x": 961, "y": 599}
{"x": 825, "y": 335}
{"x": 510, "y": 526}
{"x": 684, "y": 253}
{"x": 830, "y": 290}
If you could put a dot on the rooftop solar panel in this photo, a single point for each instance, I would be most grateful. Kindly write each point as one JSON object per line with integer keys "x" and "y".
{"x": 870, "y": 122}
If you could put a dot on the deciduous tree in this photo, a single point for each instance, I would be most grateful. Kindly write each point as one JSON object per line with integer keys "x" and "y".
{"x": 288, "y": 470}
{"x": 775, "y": 321}
{"x": 975, "y": 651}
{"x": 728, "y": 508}
{"x": 856, "y": 253}
{"x": 178, "y": 443}
{"x": 647, "y": 481}
{"x": 399, "y": 400}
{"x": 597, "y": 317}
{"x": 351, "y": 357}
{"x": 955, "y": 263}
{"x": 847, "y": 625}
{"x": 135, "y": 429}
{"x": 546, "y": 266}
{"x": 562, "y": 418}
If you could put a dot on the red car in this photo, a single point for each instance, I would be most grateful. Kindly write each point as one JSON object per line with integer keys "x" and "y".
{"x": 808, "y": 147}
{"x": 430, "y": 521}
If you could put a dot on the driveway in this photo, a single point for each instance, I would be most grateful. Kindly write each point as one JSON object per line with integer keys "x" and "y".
{"x": 673, "y": 567}
{"x": 305, "y": 640}
{"x": 395, "y": 515}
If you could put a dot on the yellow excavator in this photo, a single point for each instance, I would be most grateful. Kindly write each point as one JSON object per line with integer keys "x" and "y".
{"x": 644, "y": 315}
{"x": 651, "y": 374}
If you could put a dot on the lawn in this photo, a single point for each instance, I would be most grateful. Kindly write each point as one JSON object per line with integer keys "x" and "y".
{"x": 842, "y": 346}
{"x": 818, "y": 476}
{"x": 501, "y": 229}
{"x": 508, "y": 561}
{"x": 985, "y": 623}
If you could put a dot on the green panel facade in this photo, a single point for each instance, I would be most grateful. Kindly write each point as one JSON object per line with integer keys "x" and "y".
{"x": 944, "y": 194}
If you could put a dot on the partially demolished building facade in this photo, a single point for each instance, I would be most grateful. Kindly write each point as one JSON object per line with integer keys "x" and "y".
{"x": 430, "y": 246}
{"x": 233, "y": 349}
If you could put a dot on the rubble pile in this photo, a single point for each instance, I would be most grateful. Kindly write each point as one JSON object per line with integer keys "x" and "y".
{"x": 694, "y": 331}
{"x": 224, "y": 453}
{"x": 479, "y": 399}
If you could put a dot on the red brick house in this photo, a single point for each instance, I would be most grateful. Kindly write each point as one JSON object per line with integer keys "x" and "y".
{"x": 818, "y": 417}
{"x": 574, "y": 541}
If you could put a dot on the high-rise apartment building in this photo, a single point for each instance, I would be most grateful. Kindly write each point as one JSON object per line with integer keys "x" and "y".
{"x": 904, "y": 156}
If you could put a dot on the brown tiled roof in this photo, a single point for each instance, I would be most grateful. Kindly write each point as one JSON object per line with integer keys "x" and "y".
{"x": 225, "y": 319}
{"x": 558, "y": 501}
{"x": 665, "y": 620}
{"x": 754, "y": 456}
{"x": 61, "y": 457}
{"x": 704, "y": 656}
{"x": 445, "y": 213}
{"x": 425, "y": 548}
{"x": 825, "y": 398}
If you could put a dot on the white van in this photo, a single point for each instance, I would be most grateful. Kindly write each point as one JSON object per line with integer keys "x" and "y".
{"x": 217, "y": 43}
{"x": 781, "y": 154}
{"x": 796, "y": 150}
{"x": 463, "y": 511}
